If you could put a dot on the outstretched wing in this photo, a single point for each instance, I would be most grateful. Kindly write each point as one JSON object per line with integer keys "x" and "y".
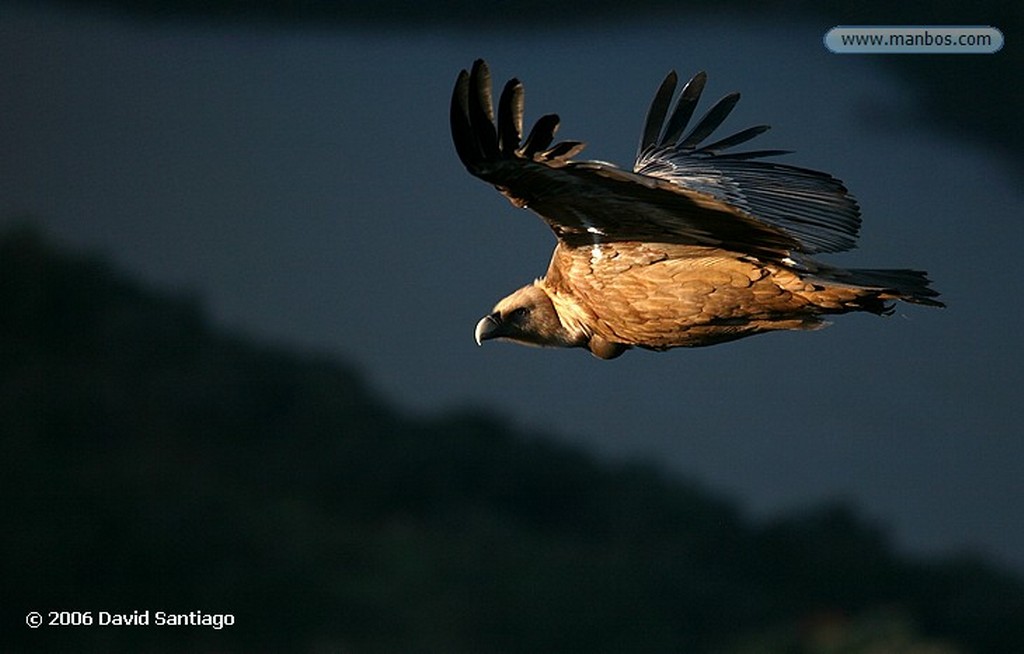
{"x": 677, "y": 193}
{"x": 813, "y": 207}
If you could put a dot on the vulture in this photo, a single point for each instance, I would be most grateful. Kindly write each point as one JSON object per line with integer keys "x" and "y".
{"x": 696, "y": 245}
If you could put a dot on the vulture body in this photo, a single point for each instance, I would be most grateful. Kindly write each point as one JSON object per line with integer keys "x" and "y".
{"x": 694, "y": 246}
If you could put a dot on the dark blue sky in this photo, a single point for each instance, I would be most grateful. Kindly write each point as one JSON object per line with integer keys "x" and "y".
{"x": 303, "y": 183}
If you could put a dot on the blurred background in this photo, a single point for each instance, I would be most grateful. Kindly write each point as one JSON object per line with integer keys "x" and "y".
{"x": 240, "y": 266}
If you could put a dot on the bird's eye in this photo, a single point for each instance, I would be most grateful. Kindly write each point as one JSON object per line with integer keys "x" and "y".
{"x": 518, "y": 313}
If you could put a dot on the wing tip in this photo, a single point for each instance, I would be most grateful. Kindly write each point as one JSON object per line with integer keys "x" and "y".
{"x": 479, "y": 138}
{"x": 663, "y": 137}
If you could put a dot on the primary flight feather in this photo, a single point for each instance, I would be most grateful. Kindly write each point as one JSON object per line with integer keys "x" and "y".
{"x": 694, "y": 246}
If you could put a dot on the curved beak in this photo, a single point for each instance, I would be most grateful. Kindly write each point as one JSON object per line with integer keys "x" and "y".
{"x": 489, "y": 327}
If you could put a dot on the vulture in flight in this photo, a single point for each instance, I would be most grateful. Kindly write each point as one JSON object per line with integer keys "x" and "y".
{"x": 696, "y": 245}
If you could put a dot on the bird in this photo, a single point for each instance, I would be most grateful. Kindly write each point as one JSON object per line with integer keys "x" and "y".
{"x": 696, "y": 245}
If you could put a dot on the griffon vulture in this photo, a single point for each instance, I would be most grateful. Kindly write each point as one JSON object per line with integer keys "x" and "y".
{"x": 693, "y": 247}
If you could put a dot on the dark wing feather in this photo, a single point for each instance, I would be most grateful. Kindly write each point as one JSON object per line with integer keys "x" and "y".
{"x": 510, "y": 116}
{"x": 541, "y": 136}
{"x": 736, "y": 139}
{"x": 481, "y": 109}
{"x": 588, "y": 201}
{"x": 685, "y": 106}
{"x": 710, "y": 122}
{"x": 656, "y": 114}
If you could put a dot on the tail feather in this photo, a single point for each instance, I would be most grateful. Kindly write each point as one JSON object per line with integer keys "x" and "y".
{"x": 892, "y": 284}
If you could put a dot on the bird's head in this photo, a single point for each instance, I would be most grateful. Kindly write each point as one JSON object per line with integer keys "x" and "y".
{"x": 527, "y": 316}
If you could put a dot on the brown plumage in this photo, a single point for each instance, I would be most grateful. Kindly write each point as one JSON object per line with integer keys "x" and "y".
{"x": 692, "y": 247}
